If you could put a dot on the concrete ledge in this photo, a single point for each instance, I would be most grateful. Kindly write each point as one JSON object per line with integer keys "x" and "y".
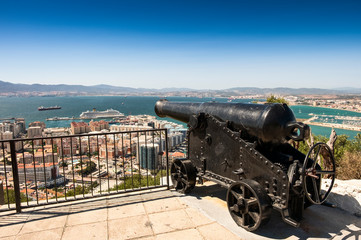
{"x": 319, "y": 222}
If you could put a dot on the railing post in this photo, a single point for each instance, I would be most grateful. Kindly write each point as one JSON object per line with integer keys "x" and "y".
{"x": 2, "y": 194}
{"x": 15, "y": 176}
{"x": 166, "y": 154}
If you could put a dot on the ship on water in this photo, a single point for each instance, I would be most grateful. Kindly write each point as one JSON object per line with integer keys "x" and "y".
{"x": 109, "y": 113}
{"x": 42, "y": 108}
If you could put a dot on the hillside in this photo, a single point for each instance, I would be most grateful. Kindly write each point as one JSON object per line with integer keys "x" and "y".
{"x": 7, "y": 87}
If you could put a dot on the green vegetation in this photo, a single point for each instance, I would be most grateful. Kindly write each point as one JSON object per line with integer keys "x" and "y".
{"x": 11, "y": 193}
{"x": 273, "y": 99}
{"x": 56, "y": 189}
{"x": 7, "y": 162}
{"x": 347, "y": 155}
{"x": 63, "y": 164}
{"x": 55, "y": 148}
{"x": 80, "y": 190}
{"x": 90, "y": 167}
{"x": 140, "y": 181}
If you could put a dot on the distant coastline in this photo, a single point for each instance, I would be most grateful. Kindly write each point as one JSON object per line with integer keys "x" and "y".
{"x": 137, "y": 105}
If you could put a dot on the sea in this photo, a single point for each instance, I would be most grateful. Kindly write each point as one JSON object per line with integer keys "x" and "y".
{"x": 73, "y": 106}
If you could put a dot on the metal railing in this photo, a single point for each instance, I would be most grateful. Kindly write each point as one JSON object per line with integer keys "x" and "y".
{"x": 47, "y": 170}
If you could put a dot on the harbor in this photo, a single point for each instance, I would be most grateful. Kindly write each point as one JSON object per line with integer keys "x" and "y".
{"x": 335, "y": 125}
{"x": 331, "y": 121}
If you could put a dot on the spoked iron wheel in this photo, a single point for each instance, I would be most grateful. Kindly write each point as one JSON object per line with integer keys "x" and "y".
{"x": 183, "y": 175}
{"x": 248, "y": 204}
{"x": 319, "y": 163}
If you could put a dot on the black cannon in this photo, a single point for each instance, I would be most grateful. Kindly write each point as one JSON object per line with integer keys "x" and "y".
{"x": 245, "y": 148}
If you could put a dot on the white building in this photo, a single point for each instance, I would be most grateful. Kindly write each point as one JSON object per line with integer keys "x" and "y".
{"x": 38, "y": 172}
{"x": 34, "y": 132}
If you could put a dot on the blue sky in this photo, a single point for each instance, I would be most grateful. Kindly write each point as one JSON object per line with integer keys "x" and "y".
{"x": 195, "y": 44}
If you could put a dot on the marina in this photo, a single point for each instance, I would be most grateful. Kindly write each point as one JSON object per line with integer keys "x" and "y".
{"x": 335, "y": 121}
{"x": 336, "y": 125}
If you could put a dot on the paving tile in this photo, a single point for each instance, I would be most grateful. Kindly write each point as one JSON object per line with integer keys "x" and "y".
{"x": 117, "y": 201}
{"x": 143, "y": 238}
{"x": 55, "y": 206}
{"x": 10, "y": 230}
{"x": 40, "y": 216}
{"x": 161, "y": 205}
{"x": 80, "y": 207}
{"x": 132, "y": 227}
{"x": 197, "y": 217}
{"x": 88, "y": 216}
{"x": 215, "y": 231}
{"x": 156, "y": 195}
{"x": 49, "y": 213}
{"x": 170, "y": 221}
{"x": 181, "y": 235}
{"x": 90, "y": 231}
{"x": 54, "y": 209}
{"x": 53, "y": 234}
{"x": 14, "y": 218}
{"x": 34, "y": 225}
{"x": 8, "y": 238}
{"x": 126, "y": 210}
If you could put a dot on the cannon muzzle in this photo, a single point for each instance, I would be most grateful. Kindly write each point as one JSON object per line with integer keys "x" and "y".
{"x": 274, "y": 123}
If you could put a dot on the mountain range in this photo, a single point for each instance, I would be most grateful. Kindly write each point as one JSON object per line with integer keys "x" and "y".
{"x": 7, "y": 87}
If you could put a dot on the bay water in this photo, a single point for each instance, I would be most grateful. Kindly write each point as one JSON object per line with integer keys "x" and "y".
{"x": 73, "y": 106}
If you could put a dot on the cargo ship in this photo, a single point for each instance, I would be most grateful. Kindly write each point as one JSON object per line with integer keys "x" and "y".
{"x": 41, "y": 108}
{"x": 109, "y": 113}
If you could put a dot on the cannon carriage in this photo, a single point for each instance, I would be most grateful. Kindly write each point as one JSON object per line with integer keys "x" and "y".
{"x": 245, "y": 148}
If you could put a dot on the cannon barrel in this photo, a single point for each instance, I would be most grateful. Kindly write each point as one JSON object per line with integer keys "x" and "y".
{"x": 274, "y": 123}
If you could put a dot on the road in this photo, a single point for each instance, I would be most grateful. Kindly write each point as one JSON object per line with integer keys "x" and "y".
{"x": 104, "y": 185}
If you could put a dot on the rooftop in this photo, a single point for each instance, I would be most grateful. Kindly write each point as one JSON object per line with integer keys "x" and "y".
{"x": 163, "y": 214}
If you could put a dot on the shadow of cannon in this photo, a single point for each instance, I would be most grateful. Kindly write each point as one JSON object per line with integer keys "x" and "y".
{"x": 318, "y": 221}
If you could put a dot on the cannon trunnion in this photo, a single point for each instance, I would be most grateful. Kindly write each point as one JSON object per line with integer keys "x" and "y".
{"x": 233, "y": 146}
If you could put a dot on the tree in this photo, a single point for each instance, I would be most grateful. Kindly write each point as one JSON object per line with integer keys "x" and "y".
{"x": 140, "y": 181}
{"x": 273, "y": 99}
{"x": 55, "y": 148}
{"x": 63, "y": 164}
{"x": 90, "y": 167}
{"x": 346, "y": 153}
{"x": 11, "y": 195}
{"x": 81, "y": 189}
{"x": 7, "y": 161}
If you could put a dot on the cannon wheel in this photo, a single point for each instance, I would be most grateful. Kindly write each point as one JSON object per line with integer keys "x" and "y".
{"x": 248, "y": 204}
{"x": 183, "y": 175}
{"x": 314, "y": 168}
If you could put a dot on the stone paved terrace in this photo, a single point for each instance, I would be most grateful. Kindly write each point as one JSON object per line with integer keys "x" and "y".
{"x": 163, "y": 214}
